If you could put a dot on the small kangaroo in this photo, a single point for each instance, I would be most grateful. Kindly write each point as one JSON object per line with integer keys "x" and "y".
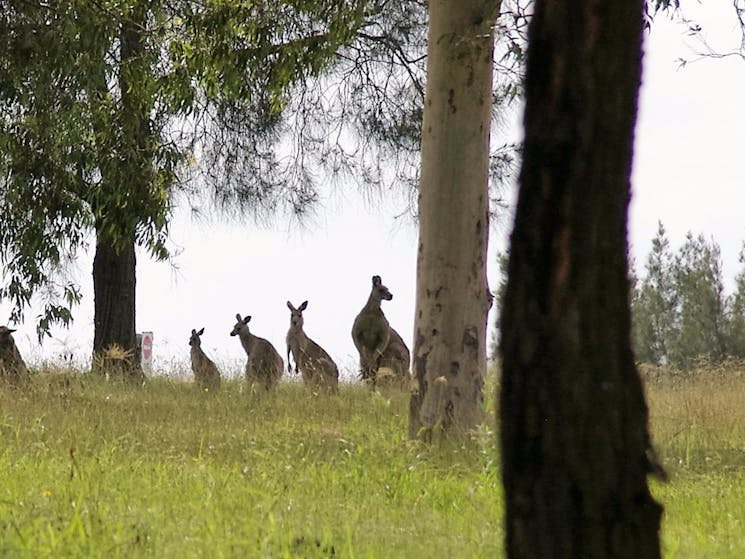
{"x": 12, "y": 367}
{"x": 264, "y": 365}
{"x": 206, "y": 373}
{"x": 316, "y": 366}
{"x": 378, "y": 343}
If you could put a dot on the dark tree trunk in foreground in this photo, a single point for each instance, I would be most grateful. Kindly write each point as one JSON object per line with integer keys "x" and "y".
{"x": 574, "y": 433}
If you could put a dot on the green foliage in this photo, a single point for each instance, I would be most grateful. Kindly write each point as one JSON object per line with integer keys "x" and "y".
{"x": 735, "y": 319}
{"x": 73, "y": 155}
{"x": 654, "y": 303}
{"x": 108, "y": 108}
{"x": 681, "y": 314}
{"x": 653, "y": 7}
{"x": 101, "y": 104}
{"x": 277, "y": 44}
{"x": 361, "y": 119}
{"x": 698, "y": 272}
{"x": 503, "y": 259}
{"x": 252, "y": 60}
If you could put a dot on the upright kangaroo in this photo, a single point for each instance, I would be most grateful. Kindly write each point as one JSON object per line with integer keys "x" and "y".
{"x": 12, "y": 367}
{"x": 263, "y": 365}
{"x": 316, "y": 366}
{"x": 379, "y": 345}
{"x": 206, "y": 373}
{"x": 395, "y": 362}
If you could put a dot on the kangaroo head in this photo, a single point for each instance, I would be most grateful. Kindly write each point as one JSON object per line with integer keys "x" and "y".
{"x": 296, "y": 314}
{"x": 5, "y": 335}
{"x": 241, "y": 325}
{"x": 194, "y": 340}
{"x": 380, "y": 291}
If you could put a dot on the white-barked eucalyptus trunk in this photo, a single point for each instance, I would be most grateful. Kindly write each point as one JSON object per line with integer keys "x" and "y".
{"x": 452, "y": 296}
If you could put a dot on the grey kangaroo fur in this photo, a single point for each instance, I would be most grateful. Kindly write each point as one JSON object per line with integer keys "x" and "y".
{"x": 316, "y": 366}
{"x": 263, "y": 365}
{"x": 12, "y": 367}
{"x": 379, "y": 345}
{"x": 206, "y": 373}
{"x": 396, "y": 357}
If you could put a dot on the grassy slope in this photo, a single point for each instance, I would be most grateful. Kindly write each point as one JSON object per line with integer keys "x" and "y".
{"x": 94, "y": 469}
{"x": 164, "y": 471}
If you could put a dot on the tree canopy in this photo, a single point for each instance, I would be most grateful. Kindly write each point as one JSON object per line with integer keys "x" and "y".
{"x": 210, "y": 80}
{"x": 682, "y": 315}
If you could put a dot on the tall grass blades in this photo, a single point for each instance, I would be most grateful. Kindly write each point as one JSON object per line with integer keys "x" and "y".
{"x": 103, "y": 469}
{"x": 96, "y": 469}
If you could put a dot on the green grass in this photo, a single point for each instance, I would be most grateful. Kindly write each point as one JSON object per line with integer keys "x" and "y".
{"x": 698, "y": 425}
{"x": 96, "y": 469}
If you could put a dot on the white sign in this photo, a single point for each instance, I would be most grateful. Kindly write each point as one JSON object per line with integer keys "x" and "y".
{"x": 147, "y": 350}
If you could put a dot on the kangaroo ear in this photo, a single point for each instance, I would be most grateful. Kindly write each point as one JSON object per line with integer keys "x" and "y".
{"x": 193, "y": 332}
{"x": 376, "y": 280}
{"x": 238, "y": 318}
{"x": 247, "y": 320}
{"x": 200, "y": 332}
{"x": 304, "y": 306}
{"x": 289, "y": 306}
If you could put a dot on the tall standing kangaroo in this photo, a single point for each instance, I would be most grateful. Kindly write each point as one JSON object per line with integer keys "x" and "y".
{"x": 12, "y": 367}
{"x": 263, "y": 365}
{"x": 395, "y": 362}
{"x": 316, "y": 366}
{"x": 206, "y": 373}
{"x": 379, "y": 345}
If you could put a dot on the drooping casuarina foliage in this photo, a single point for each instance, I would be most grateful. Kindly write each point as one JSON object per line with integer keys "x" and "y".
{"x": 106, "y": 108}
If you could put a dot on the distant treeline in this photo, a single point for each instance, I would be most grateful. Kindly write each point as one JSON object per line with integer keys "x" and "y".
{"x": 681, "y": 315}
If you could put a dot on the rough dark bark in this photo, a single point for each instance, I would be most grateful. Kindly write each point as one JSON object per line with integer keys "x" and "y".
{"x": 114, "y": 282}
{"x": 574, "y": 432}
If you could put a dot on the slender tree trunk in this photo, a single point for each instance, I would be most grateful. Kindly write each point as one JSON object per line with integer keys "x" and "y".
{"x": 452, "y": 297}
{"x": 574, "y": 434}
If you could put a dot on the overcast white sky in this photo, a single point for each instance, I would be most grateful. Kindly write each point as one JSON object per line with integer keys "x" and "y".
{"x": 688, "y": 173}
{"x": 689, "y": 164}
